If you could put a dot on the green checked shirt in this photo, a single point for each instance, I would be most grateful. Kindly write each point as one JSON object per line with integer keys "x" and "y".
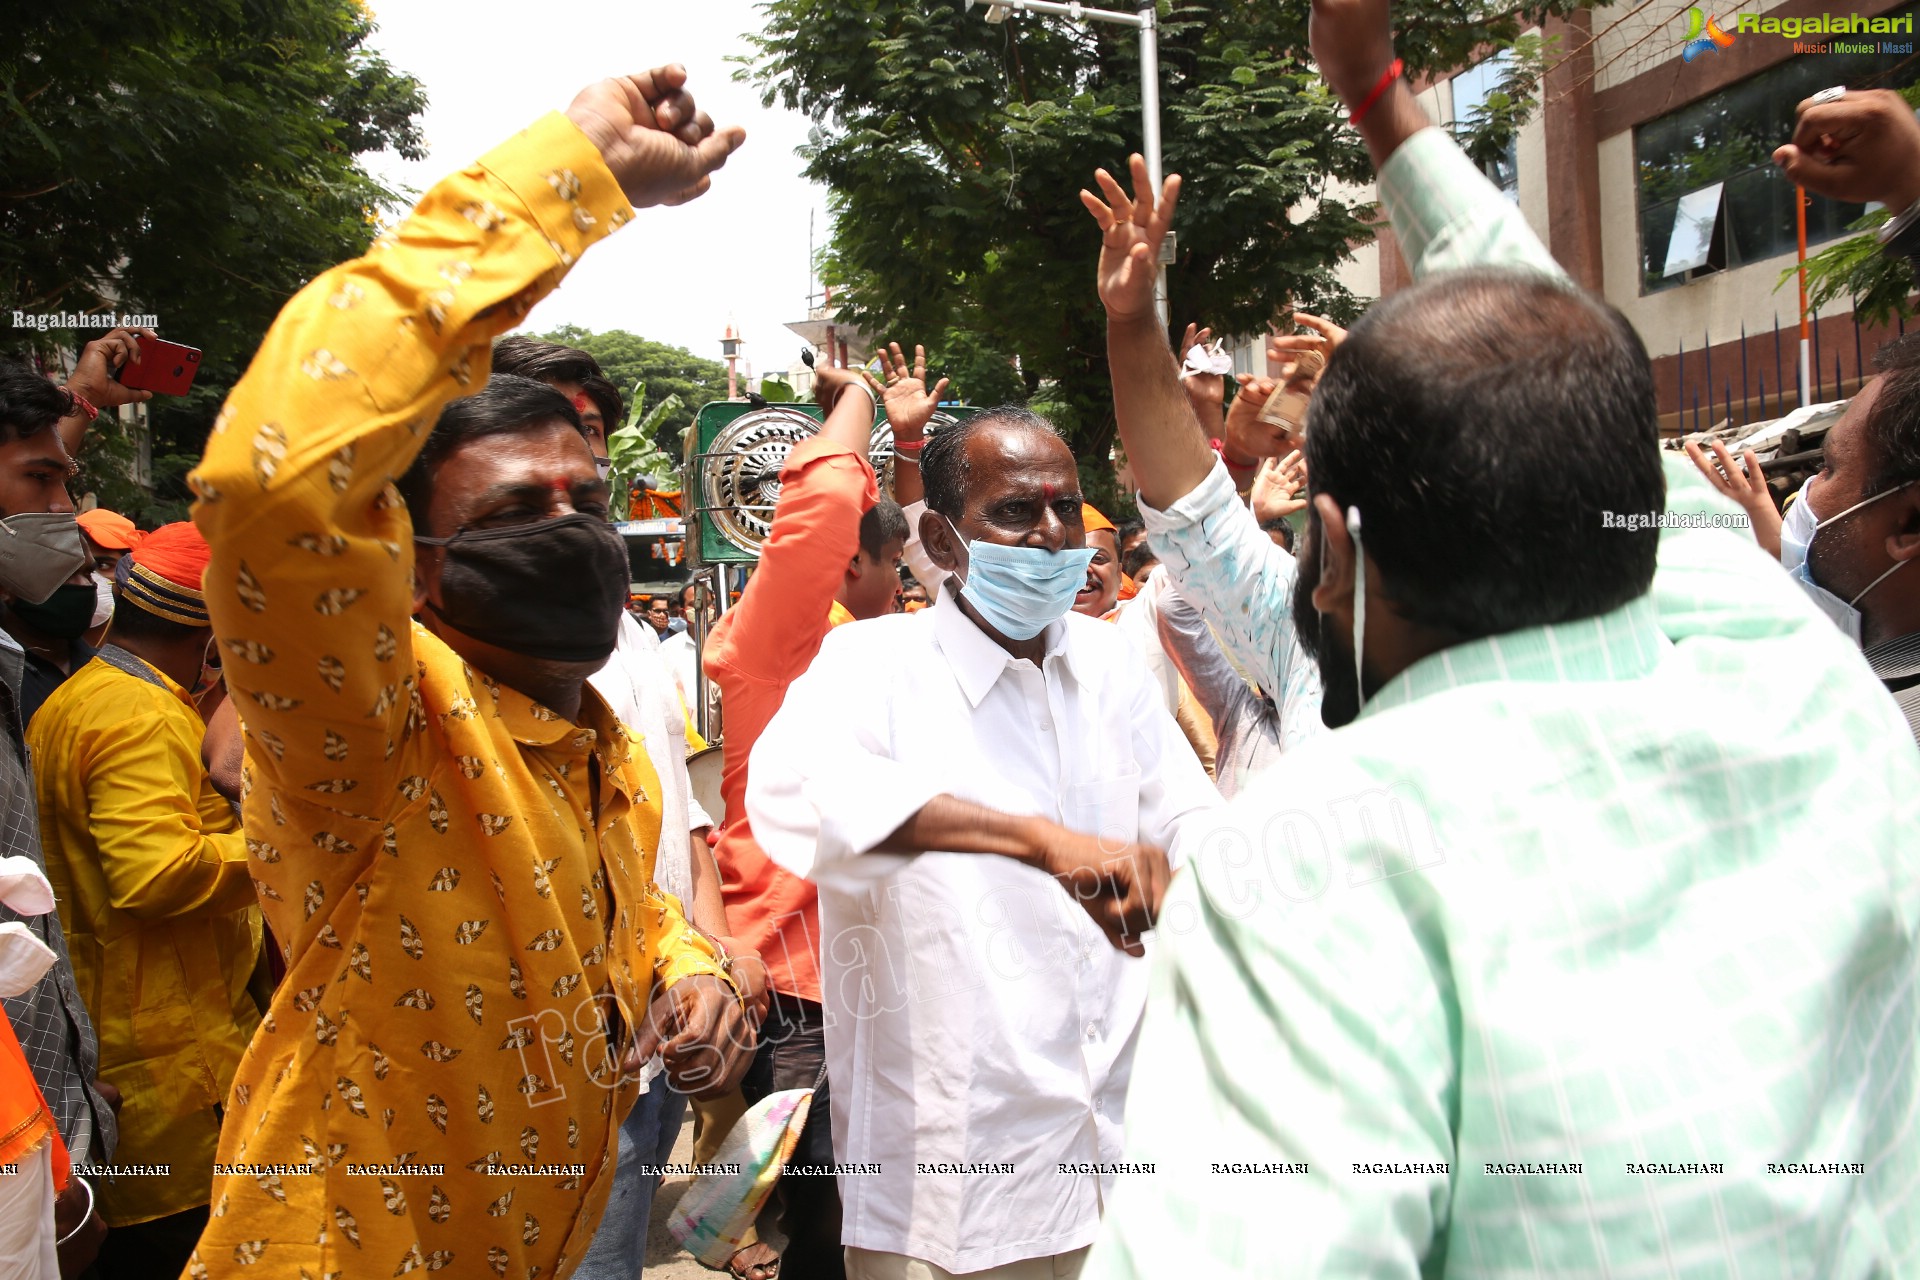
{"x": 1585, "y": 951}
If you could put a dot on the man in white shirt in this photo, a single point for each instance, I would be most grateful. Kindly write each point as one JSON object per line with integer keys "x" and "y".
{"x": 984, "y": 1026}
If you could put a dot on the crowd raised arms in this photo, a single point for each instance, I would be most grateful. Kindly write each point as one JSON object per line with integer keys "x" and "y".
{"x": 1449, "y": 832}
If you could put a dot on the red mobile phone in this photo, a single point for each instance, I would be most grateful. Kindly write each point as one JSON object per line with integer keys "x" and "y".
{"x": 165, "y": 368}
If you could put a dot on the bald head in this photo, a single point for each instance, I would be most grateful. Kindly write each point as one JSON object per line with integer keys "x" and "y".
{"x": 1484, "y": 423}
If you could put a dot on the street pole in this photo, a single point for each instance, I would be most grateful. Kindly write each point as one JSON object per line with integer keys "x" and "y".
{"x": 1806, "y": 346}
{"x": 1147, "y": 22}
{"x": 1150, "y": 138}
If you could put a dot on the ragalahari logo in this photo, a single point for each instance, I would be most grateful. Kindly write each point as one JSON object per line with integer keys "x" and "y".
{"x": 1703, "y": 35}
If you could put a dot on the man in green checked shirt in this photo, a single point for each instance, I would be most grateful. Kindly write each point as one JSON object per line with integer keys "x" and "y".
{"x": 1585, "y": 947}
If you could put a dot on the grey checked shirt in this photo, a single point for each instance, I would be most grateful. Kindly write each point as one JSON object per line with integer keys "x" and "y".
{"x": 51, "y": 1022}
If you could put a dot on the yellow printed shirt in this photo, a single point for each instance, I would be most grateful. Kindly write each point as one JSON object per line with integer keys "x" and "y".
{"x": 461, "y": 879}
{"x": 149, "y": 868}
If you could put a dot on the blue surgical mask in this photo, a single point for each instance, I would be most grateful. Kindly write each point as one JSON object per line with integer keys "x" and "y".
{"x": 1019, "y": 590}
{"x": 1796, "y": 540}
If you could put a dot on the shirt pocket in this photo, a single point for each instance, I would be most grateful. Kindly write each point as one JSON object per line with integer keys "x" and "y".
{"x": 1106, "y": 808}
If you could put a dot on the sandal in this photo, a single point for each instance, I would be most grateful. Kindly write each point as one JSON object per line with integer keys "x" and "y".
{"x": 742, "y": 1265}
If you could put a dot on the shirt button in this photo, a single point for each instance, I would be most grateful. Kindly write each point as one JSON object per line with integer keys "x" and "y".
{"x": 1092, "y": 1034}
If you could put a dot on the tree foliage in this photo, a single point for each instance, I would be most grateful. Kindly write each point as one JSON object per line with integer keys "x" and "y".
{"x": 669, "y": 373}
{"x": 197, "y": 162}
{"x": 953, "y": 150}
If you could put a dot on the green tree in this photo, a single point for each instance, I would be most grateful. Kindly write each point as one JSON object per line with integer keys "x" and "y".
{"x": 667, "y": 371}
{"x": 953, "y": 150}
{"x": 198, "y": 162}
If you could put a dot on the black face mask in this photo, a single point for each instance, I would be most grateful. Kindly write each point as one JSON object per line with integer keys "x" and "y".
{"x": 1339, "y": 692}
{"x": 64, "y": 615}
{"x": 554, "y": 589}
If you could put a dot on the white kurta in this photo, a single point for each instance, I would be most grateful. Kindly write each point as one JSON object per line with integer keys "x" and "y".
{"x": 975, "y": 1013}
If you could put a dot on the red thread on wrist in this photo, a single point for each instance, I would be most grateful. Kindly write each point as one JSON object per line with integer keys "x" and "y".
{"x": 1220, "y": 447}
{"x": 1387, "y": 78}
{"x": 83, "y": 404}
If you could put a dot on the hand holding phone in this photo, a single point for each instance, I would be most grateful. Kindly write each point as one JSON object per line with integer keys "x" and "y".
{"x": 162, "y": 367}
{"x": 94, "y": 374}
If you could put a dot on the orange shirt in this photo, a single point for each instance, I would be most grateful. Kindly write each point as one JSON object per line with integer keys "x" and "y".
{"x": 756, "y": 651}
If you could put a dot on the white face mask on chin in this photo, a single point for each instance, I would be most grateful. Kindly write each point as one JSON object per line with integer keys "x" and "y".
{"x": 1796, "y": 540}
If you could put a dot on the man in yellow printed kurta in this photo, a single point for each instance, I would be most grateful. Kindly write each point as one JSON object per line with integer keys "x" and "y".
{"x": 150, "y": 871}
{"x": 449, "y": 832}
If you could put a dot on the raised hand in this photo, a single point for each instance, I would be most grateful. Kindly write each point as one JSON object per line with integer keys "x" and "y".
{"x": 829, "y": 381}
{"x": 100, "y": 359}
{"x": 1863, "y": 145}
{"x": 1744, "y": 482}
{"x": 659, "y": 145}
{"x": 1285, "y": 348}
{"x": 1352, "y": 44}
{"x": 908, "y": 402}
{"x": 1281, "y": 487}
{"x": 1248, "y": 437}
{"x": 1206, "y": 392}
{"x": 1131, "y": 231}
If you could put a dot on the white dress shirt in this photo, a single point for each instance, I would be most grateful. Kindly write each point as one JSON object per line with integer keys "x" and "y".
{"x": 680, "y": 655}
{"x": 639, "y": 688}
{"x": 974, "y": 1012}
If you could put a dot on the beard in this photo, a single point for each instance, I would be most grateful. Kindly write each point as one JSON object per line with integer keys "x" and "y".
{"x": 1333, "y": 653}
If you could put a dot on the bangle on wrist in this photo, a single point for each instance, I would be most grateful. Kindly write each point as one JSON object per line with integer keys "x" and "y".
{"x": 1898, "y": 223}
{"x": 84, "y": 1218}
{"x": 1380, "y": 88}
{"x": 855, "y": 386}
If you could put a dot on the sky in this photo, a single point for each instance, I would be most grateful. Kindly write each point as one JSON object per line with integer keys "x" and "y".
{"x": 675, "y": 275}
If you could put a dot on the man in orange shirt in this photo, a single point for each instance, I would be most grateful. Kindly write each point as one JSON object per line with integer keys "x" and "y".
{"x": 829, "y": 558}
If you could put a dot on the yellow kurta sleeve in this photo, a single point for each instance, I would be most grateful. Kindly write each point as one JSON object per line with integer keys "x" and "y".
{"x": 310, "y": 584}
{"x": 159, "y": 854}
{"x": 682, "y": 951}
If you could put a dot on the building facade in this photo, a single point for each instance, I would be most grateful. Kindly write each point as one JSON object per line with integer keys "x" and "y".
{"x": 1648, "y": 174}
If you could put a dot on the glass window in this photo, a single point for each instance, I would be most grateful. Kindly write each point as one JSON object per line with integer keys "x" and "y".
{"x": 1470, "y": 91}
{"x": 1710, "y": 196}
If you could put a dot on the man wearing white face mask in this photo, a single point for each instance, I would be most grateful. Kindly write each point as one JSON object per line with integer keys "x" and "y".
{"x": 980, "y": 1028}
{"x": 150, "y": 869}
{"x": 1856, "y": 525}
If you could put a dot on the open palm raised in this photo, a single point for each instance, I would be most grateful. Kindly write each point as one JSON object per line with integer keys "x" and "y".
{"x": 1132, "y": 228}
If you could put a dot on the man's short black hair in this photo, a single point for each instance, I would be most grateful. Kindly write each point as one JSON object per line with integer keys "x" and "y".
{"x": 943, "y": 463}
{"x": 1280, "y": 526}
{"x": 882, "y": 523}
{"x": 509, "y": 404}
{"x": 606, "y": 398}
{"x": 1892, "y": 428}
{"x": 130, "y": 621}
{"x": 543, "y": 361}
{"x": 1483, "y": 422}
{"x": 29, "y": 402}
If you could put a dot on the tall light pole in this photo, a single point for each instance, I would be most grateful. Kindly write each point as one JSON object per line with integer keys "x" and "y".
{"x": 1147, "y": 22}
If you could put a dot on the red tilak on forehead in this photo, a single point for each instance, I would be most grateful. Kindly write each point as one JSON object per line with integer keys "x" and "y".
{"x": 1049, "y": 492}
{"x": 580, "y": 402}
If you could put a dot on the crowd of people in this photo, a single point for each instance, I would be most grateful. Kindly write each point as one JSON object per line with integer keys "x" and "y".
{"x": 1378, "y": 859}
